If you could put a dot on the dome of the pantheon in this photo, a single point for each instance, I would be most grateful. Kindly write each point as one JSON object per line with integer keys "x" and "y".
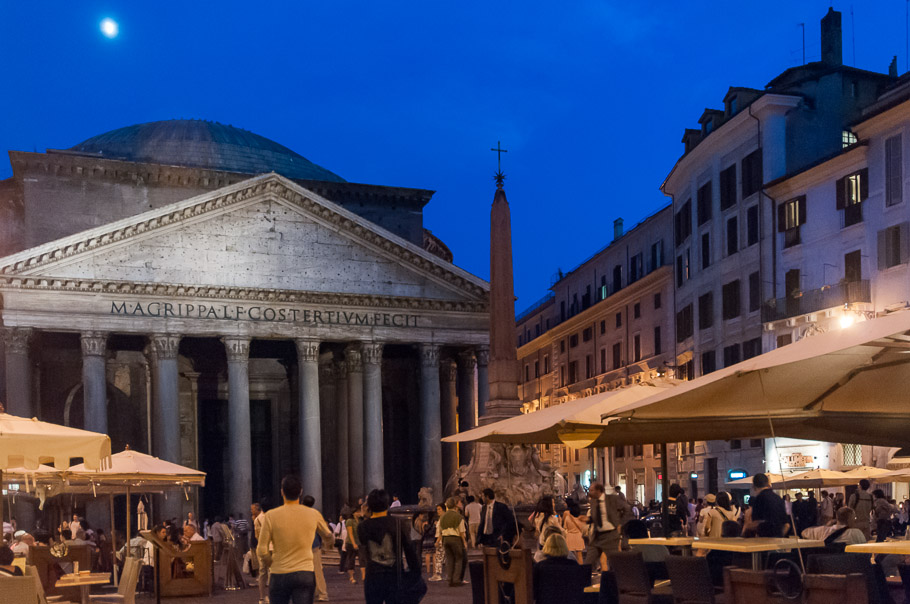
{"x": 203, "y": 144}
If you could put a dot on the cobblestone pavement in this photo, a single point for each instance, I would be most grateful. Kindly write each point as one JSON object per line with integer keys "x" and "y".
{"x": 340, "y": 590}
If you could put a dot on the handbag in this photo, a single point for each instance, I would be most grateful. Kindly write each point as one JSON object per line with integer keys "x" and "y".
{"x": 411, "y": 586}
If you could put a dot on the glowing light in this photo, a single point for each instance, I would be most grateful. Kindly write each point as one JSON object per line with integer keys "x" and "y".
{"x": 109, "y": 28}
{"x": 847, "y": 320}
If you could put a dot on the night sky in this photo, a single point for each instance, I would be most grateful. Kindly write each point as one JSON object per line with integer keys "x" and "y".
{"x": 590, "y": 98}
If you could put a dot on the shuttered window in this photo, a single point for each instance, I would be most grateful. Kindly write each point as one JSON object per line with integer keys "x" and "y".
{"x": 893, "y": 245}
{"x": 728, "y": 188}
{"x": 893, "y": 171}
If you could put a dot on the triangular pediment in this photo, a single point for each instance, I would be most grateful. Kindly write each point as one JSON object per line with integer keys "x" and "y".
{"x": 266, "y": 233}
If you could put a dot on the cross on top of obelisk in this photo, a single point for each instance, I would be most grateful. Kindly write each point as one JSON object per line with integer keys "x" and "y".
{"x": 499, "y": 177}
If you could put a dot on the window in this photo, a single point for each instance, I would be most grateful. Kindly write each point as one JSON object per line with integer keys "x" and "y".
{"x": 527, "y": 373}
{"x": 728, "y": 188}
{"x": 573, "y": 340}
{"x": 853, "y": 267}
{"x": 732, "y": 236}
{"x": 562, "y": 346}
{"x": 562, "y": 375}
{"x": 703, "y": 208}
{"x": 756, "y": 443}
{"x": 617, "y": 355}
{"x": 705, "y": 250}
{"x": 636, "y": 310}
{"x": 790, "y": 216}
{"x": 682, "y": 268}
{"x": 731, "y": 305}
{"x": 656, "y": 301}
{"x": 536, "y": 369}
{"x": 636, "y": 347}
{"x": 893, "y": 171}
{"x": 708, "y": 362}
{"x": 684, "y": 324}
{"x": 636, "y": 268}
{"x": 751, "y": 173}
{"x": 617, "y": 278}
{"x": 736, "y": 444}
{"x": 657, "y": 344}
{"x": 892, "y": 246}
{"x": 603, "y": 360}
{"x": 752, "y": 226}
{"x": 587, "y": 334}
{"x": 573, "y": 372}
{"x": 784, "y": 339}
{"x": 638, "y": 450}
{"x": 619, "y": 319}
{"x": 751, "y": 348}
{"x": 546, "y": 363}
{"x": 603, "y": 289}
{"x": 603, "y": 327}
{"x": 853, "y": 455}
{"x": 537, "y": 330}
{"x": 847, "y": 138}
{"x": 657, "y": 255}
{"x": 852, "y": 190}
{"x": 683, "y": 224}
{"x": 706, "y": 310}
{"x": 589, "y": 367}
{"x": 731, "y": 355}
{"x": 754, "y": 291}
{"x": 619, "y": 452}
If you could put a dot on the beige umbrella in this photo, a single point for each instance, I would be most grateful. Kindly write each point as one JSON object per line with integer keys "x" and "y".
{"x": 812, "y": 479}
{"x": 868, "y": 472}
{"x": 848, "y": 385}
{"x": 28, "y": 443}
{"x": 575, "y": 423}
{"x": 747, "y": 481}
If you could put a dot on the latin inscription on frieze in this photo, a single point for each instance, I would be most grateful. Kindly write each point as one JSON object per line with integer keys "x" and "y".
{"x": 269, "y": 314}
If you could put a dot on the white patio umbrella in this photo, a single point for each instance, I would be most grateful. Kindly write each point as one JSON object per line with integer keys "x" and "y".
{"x": 848, "y": 385}
{"x": 812, "y": 479}
{"x": 868, "y": 472}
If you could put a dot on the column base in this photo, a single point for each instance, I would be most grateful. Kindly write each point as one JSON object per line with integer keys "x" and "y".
{"x": 497, "y": 410}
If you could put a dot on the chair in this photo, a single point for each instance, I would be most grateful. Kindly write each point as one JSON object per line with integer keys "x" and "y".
{"x": 475, "y": 571}
{"x": 609, "y": 592}
{"x": 31, "y": 571}
{"x": 18, "y": 589}
{"x": 126, "y": 591}
{"x": 564, "y": 584}
{"x": 824, "y": 589}
{"x": 904, "y": 571}
{"x": 846, "y": 564}
{"x": 632, "y": 580}
{"x": 743, "y": 586}
{"x": 690, "y": 580}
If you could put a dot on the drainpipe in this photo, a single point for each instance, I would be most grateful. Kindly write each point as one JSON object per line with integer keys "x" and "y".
{"x": 761, "y": 196}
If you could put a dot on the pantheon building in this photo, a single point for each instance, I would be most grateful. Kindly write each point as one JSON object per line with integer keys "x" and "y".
{"x": 204, "y": 294}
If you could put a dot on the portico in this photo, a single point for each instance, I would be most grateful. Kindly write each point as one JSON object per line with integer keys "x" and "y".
{"x": 261, "y": 296}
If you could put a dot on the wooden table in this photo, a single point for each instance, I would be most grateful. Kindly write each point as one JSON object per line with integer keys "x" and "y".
{"x": 901, "y": 548}
{"x": 685, "y": 543}
{"x": 755, "y": 546}
{"x": 84, "y": 582}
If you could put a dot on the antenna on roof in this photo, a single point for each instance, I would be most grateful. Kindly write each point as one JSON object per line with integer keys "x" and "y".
{"x": 853, "y": 33}
{"x": 803, "y": 25}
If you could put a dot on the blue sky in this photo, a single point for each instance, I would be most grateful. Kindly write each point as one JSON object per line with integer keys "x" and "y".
{"x": 590, "y": 98}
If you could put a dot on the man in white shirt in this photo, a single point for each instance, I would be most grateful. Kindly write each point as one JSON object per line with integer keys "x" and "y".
{"x": 841, "y": 532}
{"x": 75, "y": 525}
{"x": 395, "y": 502}
{"x": 473, "y": 511}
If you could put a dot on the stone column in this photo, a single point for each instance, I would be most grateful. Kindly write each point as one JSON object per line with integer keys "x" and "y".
{"x": 166, "y": 414}
{"x": 483, "y": 382}
{"x": 240, "y": 481}
{"x": 18, "y": 371}
{"x": 355, "y": 421}
{"x": 448, "y": 374}
{"x": 328, "y": 420}
{"x": 341, "y": 453}
{"x": 310, "y": 438}
{"x": 94, "y": 381}
{"x": 373, "y": 461}
{"x": 430, "y": 423}
{"x": 467, "y": 403}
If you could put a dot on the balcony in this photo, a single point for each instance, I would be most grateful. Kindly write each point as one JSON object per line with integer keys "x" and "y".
{"x": 809, "y": 301}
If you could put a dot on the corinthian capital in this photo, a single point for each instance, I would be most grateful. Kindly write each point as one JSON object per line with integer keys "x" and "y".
{"x": 353, "y": 358}
{"x": 483, "y": 355}
{"x": 429, "y": 355}
{"x": 17, "y": 339}
{"x": 307, "y": 350}
{"x": 341, "y": 370}
{"x": 165, "y": 345}
{"x": 237, "y": 348}
{"x": 372, "y": 353}
{"x": 467, "y": 360}
{"x": 94, "y": 343}
{"x": 448, "y": 371}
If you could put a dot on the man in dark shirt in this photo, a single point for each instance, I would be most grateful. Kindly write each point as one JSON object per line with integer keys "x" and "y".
{"x": 385, "y": 538}
{"x": 678, "y": 509}
{"x": 769, "y": 515}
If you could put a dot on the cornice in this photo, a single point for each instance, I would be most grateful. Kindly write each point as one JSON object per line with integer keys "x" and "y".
{"x": 826, "y": 171}
{"x": 171, "y": 290}
{"x": 270, "y": 185}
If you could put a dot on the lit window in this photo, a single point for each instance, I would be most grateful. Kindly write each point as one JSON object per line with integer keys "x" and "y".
{"x": 847, "y": 138}
{"x": 853, "y": 455}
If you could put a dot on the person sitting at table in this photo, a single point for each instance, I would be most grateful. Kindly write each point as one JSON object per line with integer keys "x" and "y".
{"x": 636, "y": 529}
{"x": 843, "y": 530}
{"x": 6, "y": 563}
{"x": 555, "y": 554}
{"x": 549, "y": 531}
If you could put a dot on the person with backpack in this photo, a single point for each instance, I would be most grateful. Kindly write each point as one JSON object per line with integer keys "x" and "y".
{"x": 861, "y": 503}
{"x": 723, "y": 511}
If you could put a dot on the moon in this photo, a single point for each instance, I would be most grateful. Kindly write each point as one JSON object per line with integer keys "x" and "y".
{"x": 109, "y": 27}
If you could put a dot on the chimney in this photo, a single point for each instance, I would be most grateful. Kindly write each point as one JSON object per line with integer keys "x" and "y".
{"x": 617, "y": 229}
{"x": 892, "y": 68}
{"x": 832, "y": 44}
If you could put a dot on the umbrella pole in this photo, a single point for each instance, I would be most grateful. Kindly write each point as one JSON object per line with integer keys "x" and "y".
{"x": 664, "y": 490}
{"x": 113, "y": 545}
{"x": 1, "y": 502}
{"x": 128, "y": 512}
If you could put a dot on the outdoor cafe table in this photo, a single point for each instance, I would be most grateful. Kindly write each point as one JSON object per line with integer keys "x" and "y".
{"x": 684, "y": 543}
{"x": 755, "y": 546}
{"x": 84, "y": 582}
{"x": 884, "y": 547}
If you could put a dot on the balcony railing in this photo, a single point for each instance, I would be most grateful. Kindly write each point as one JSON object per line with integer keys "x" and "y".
{"x": 805, "y": 302}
